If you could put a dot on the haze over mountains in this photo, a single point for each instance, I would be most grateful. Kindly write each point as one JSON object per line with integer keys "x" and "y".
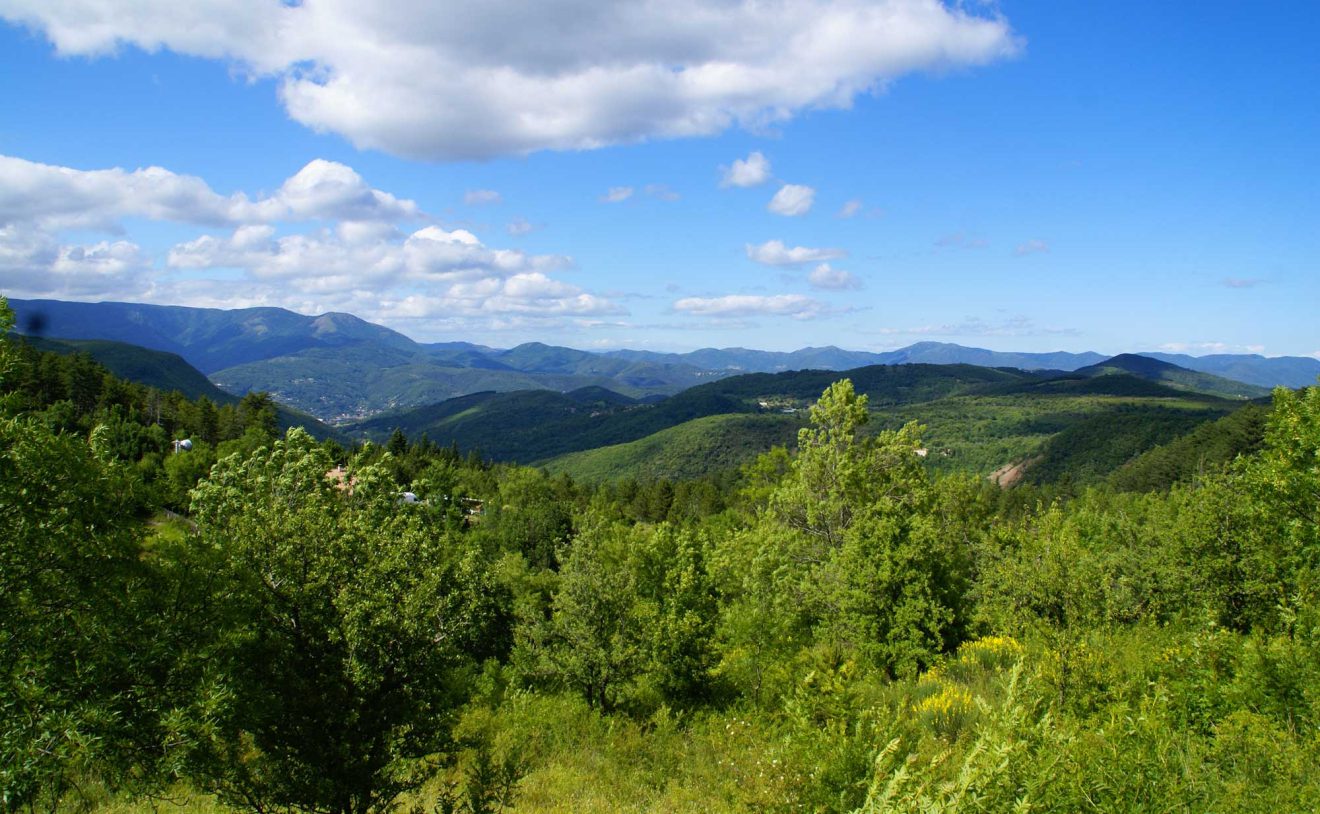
{"x": 336, "y": 366}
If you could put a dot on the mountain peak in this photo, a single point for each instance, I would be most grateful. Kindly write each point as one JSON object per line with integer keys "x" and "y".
{"x": 1132, "y": 363}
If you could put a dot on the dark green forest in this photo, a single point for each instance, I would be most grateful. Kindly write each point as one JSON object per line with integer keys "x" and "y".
{"x": 269, "y": 622}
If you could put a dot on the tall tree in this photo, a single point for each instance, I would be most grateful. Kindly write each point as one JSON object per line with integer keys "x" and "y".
{"x": 343, "y": 622}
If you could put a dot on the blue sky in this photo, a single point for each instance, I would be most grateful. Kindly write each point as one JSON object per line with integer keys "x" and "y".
{"x": 1024, "y": 175}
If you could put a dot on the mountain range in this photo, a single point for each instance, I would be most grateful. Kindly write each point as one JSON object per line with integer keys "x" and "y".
{"x": 339, "y": 367}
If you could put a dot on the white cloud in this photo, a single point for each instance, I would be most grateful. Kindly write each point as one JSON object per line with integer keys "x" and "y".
{"x": 850, "y": 208}
{"x": 328, "y": 190}
{"x": 751, "y": 171}
{"x": 34, "y": 264}
{"x": 444, "y": 81}
{"x": 617, "y": 195}
{"x": 792, "y": 200}
{"x": 520, "y": 226}
{"x": 359, "y": 261}
{"x": 824, "y": 276}
{"x": 441, "y": 272}
{"x": 743, "y": 305}
{"x": 775, "y": 253}
{"x": 61, "y": 197}
{"x": 481, "y": 197}
{"x": 1031, "y": 247}
{"x": 432, "y": 273}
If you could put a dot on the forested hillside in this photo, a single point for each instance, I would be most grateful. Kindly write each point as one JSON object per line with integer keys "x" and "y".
{"x": 1077, "y": 428}
{"x": 839, "y": 626}
{"x": 533, "y": 426}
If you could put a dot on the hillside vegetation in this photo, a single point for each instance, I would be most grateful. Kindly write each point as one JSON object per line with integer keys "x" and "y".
{"x": 840, "y": 627}
{"x": 536, "y": 426}
{"x": 170, "y": 373}
{"x": 691, "y": 450}
{"x": 1174, "y": 376}
{"x": 976, "y": 421}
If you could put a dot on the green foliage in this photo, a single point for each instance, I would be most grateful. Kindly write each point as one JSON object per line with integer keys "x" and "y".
{"x": 163, "y": 371}
{"x": 894, "y": 592}
{"x": 801, "y": 637}
{"x": 530, "y": 514}
{"x": 873, "y": 562}
{"x": 1286, "y": 476}
{"x": 74, "y": 657}
{"x": 1090, "y": 449}
{"x": 342, "y": 626}
{"x": 594, "y": 643}
{"x": 1206, "y": 450}
{"x": 683, "y": 653}
{"x": 693, "y": 449}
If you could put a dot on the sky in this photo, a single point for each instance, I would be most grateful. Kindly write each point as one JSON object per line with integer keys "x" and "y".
{"x": 1029, "y": 176}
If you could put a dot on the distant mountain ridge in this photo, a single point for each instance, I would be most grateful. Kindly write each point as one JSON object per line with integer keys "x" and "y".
{"x": 744, "y": 360}
{"x": 210, "y": 339}
{"x": 1156, "y": 370}
{"x": 337, "y": 366}
{"x": 1265, "y": 371}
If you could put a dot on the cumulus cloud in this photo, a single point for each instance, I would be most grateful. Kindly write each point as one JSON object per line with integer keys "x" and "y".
{"x": 442, "y": 81}
{"x": 432, "y": 272}
{"x": 360, "y": 260}
{"x": 328, "y": 190}
{"x": 57, "y": 197}
{"x": 617, "y": 195}
{"x": 481, "y": 197}
{"x": 428, "y": 254}
{"x": 792, "y": 200}
{"x": 751, "y": 171}
{"x": 34, "y": 264}
{"x": 1031, "y": 247}
{"x": 826, "y": 277}
{"x": 745, "y": 305}
{"x": 775, "y": 253}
